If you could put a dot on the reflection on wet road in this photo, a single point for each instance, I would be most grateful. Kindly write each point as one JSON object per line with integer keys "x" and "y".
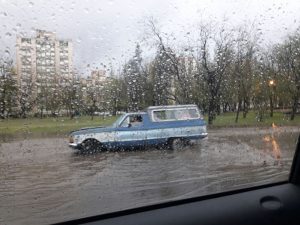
{"x": 43, "y": 181}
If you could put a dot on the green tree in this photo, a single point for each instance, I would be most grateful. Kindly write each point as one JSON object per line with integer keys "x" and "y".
{"x": 8, "y": 90}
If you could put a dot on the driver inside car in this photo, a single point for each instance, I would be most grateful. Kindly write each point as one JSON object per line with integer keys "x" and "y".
{"x": 135, "y": 121}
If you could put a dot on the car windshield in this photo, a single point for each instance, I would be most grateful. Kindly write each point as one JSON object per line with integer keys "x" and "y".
{"x": 210, "y": 89}
{"x": 118, "y": 121}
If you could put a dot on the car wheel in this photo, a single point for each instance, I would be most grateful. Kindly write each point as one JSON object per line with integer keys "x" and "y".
{"x": 177, "y": 144}
{"x": 91, "y": 146}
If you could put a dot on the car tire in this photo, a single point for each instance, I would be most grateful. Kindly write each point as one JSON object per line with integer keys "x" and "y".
{"x": 91, "y": 146}
{"x": 177, "y": 143}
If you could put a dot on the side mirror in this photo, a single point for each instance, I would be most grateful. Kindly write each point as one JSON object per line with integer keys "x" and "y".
{"x": 129, "y": 125}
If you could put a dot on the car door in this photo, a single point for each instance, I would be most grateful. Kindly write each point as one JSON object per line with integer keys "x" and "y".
{"x": 129, "y": 134}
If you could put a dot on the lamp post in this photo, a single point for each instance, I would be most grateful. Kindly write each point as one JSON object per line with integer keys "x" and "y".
{"x": 272, "y": 93}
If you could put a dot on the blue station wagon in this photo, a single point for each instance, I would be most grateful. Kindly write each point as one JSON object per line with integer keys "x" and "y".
{"x": 175, "y": 125}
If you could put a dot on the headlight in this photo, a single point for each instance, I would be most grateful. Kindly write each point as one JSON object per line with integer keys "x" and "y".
{"x": 71, "y": 139}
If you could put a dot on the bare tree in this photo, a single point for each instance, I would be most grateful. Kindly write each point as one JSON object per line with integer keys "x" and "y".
{"x": 243, "y": 68}
{"x": 172, "y": 71}
{"x": 135, "y": 79}
{"x": 214, "y": 55}
{"x": 288, "y": 59}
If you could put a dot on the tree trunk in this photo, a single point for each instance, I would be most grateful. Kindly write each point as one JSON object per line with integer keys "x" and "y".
{"x": 210, "y": 118}
{"x": 271, "y": 106}
{"x": 245, "y": 108}
{"x": 294, "y": 108}
{"x": 260, "y": 116}
{"x": 238, "y": 111}
{"x": 211, "y": 111}
{"x": 41, "y": 113}
{"x": 225, "y": 105}
{"x": 114, "y": 110}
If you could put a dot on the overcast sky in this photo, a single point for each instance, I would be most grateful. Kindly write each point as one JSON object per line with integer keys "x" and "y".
{"x": 104, "y": 31}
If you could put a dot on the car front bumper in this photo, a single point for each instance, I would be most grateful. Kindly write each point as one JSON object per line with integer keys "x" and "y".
{"x": 74, "y": 145}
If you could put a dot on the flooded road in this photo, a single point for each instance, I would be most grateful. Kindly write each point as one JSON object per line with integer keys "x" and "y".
{"x": 44, "y": 181}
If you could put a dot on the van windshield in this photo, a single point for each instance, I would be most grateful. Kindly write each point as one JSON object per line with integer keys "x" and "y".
{"x": 117, "y": 122}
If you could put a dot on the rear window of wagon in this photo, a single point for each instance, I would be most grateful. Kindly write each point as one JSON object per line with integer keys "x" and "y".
{"x": 175, "y": 114}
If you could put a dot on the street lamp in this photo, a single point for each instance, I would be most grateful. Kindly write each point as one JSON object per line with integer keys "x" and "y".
{"x": 272, "y": 85}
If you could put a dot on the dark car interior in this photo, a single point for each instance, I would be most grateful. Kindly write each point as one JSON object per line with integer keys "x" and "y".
{"x": 272, "y": 204}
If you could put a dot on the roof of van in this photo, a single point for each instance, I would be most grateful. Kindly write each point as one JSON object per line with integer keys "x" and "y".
{"x": 170, "y": 106}
{"x": 136, "y": 113}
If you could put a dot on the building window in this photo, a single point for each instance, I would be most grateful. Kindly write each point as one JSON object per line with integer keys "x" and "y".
{"x": 63, "y": 43}
{"x": 26, "y": 40}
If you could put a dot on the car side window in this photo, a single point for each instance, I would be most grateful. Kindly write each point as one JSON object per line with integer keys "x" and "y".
{"x": 136, "y": 121}
{"x": 132, "y": 121}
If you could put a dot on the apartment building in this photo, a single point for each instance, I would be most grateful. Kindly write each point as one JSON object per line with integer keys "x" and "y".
{"x": 43, "y": 59}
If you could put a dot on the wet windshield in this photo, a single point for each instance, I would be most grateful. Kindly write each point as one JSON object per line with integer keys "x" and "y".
{"x": 73, "y": 64}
